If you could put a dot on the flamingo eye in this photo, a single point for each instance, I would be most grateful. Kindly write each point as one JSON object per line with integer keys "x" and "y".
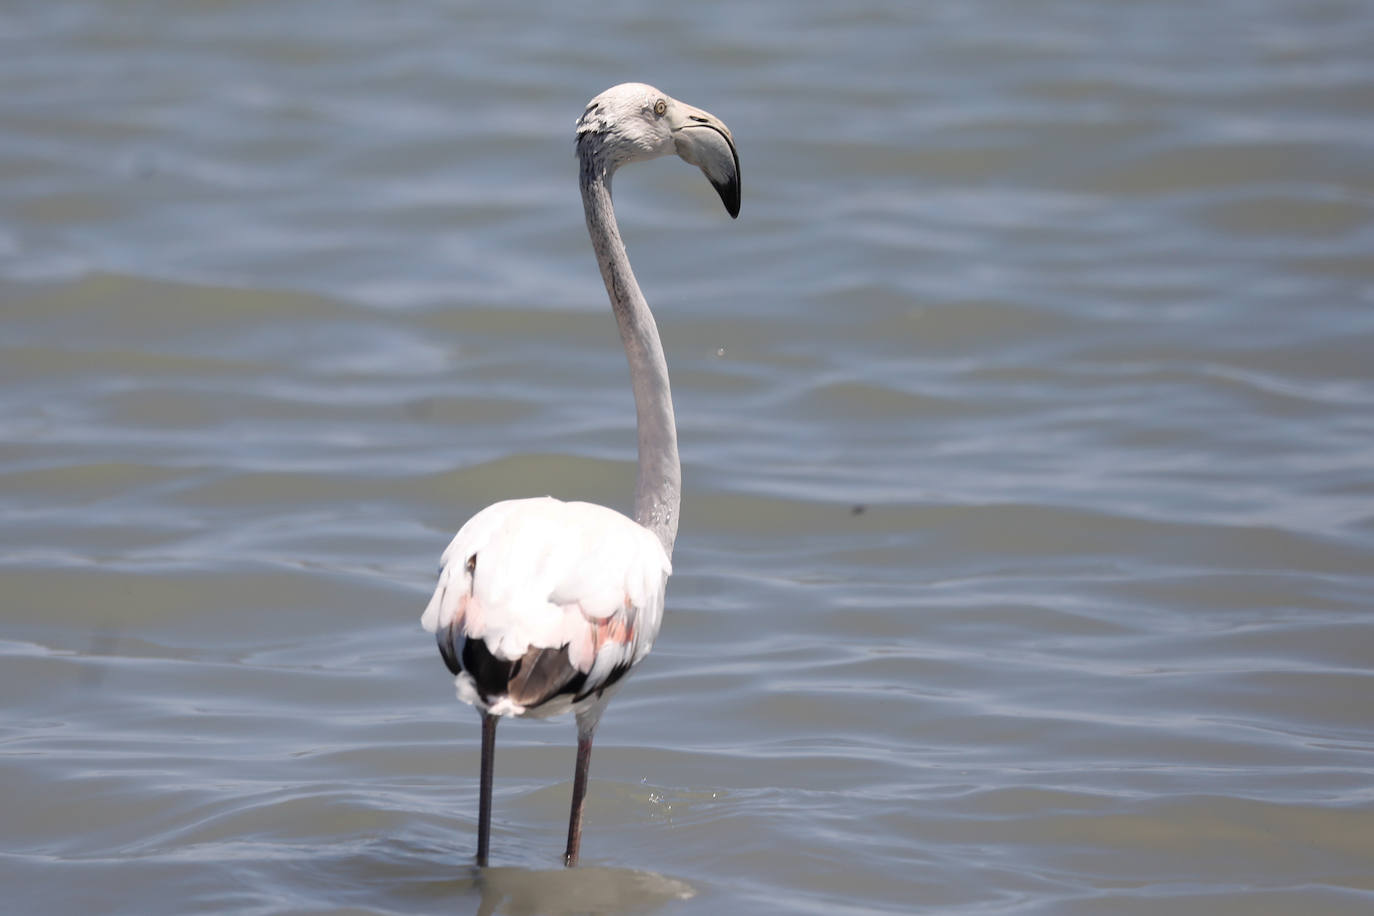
{"x": 660, "y": 107}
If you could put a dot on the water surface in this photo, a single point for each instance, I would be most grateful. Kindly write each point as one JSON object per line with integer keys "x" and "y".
{"x": 1027, "y": 554}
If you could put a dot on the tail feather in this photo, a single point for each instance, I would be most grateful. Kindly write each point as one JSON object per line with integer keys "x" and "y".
{"x": 444, "y": 636}
{"x": 540, "y": 675}
{"x": 534, "y": 678}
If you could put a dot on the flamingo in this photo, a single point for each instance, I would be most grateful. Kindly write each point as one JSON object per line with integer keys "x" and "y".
{"x": 544, "y": 606}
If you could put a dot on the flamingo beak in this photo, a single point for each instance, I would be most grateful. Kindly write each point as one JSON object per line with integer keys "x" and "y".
{"x": 703, "y": 140}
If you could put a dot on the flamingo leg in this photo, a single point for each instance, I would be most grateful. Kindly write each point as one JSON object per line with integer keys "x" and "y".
{"x": 579, "y": 795}
{"x": 484, "y": 791}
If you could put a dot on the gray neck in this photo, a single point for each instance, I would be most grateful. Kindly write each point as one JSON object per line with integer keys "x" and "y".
{"x": 658, "y": 490}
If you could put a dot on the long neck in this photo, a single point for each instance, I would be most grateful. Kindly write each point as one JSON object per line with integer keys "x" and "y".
{"x": 658, "y": 491}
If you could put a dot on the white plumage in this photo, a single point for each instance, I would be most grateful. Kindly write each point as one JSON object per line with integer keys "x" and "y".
{"x": 544, "y": 606}
{"x": 543, "y": 573}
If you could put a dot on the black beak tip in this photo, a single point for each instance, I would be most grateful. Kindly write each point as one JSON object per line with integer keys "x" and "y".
{"x": 729, "y": 195}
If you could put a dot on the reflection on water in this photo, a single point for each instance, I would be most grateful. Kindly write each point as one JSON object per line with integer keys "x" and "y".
{"x": 556, "y": 892}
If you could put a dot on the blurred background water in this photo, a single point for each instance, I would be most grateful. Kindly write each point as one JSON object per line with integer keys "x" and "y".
{"x": 1027, "y": 556}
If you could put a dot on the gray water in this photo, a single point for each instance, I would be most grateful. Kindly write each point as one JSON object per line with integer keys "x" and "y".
{"x": 1027, "y": 555}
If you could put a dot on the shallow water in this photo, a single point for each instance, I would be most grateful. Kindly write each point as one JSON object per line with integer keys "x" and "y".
{"x": 1027, "y": 556}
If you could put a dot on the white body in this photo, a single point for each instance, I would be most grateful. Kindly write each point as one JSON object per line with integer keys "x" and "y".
{"x": 548, "y": 574}
{"x": 543, "y": 606}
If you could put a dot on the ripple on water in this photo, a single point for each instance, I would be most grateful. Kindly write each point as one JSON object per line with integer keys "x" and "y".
{"x": 1026, "y": 548}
